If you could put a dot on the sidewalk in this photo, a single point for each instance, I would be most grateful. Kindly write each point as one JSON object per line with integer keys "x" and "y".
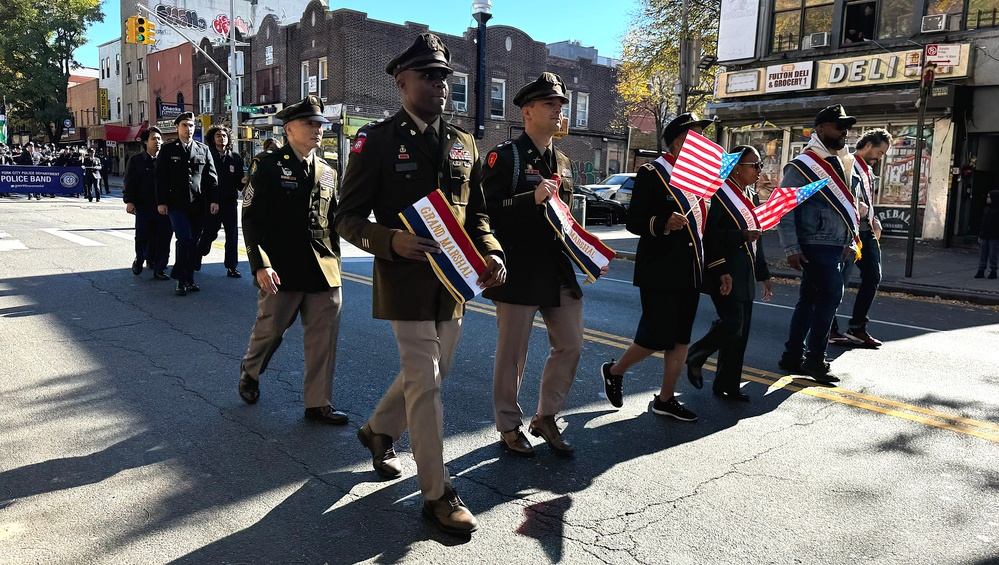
{"x": 936, "y": 271}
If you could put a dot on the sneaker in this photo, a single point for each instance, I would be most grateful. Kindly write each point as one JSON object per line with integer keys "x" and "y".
{"x": 790, "y": 363}
{"x": 819, "y": 371}
{"x": 836, "y": 338}
{"x": 672, "y": 408}
{"x": 612, "y": 385}
{"x": 861, "y": 337}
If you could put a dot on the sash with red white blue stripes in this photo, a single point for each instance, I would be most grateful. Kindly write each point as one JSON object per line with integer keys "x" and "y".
{"x": 459, "y": 265}
{"x": 739, "y": 208}
{"x": 586, "y": 249}
{"x": 690, "y": 206}
{"x": 863, "y": 176}
{"x": 836, "y": 192}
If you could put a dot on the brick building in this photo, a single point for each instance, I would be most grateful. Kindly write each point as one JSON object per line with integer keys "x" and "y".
{"x": 82, "y": 101}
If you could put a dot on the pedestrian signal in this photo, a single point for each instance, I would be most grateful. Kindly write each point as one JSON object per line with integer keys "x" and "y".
{"x": 130, "y": 31}
{"x": 150, "y": 34}
{"x": 140, "y": 29}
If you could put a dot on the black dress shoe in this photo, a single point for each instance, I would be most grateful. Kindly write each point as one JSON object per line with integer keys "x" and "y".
{"x": 150, "y": 264}
{"x": 249, "y": 389}
{"x": 326, "y": 415}
{"x": 160, "y": 277}
{"x": 516, "y": 443}
{"x": 695, "y": 375}
{"x": 232, "y": 274}
{"x": 731, "y": 395}
{"x": 181, "y": 289}
{"x": 383, "y": 458}
{"x": 137, "y": 267}
{"x": 193, "y": 287}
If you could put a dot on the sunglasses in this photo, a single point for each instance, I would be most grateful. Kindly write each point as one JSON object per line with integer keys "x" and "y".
{"x": 757, "y": 165}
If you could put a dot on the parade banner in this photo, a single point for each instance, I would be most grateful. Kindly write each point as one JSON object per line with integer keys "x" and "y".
{"x": 586, "y": 249}
{"x": 460, "y": 265}
{"x": 45, "y": 180}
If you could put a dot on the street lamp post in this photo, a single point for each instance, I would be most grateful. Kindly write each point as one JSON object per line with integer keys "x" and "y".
{"x": 480, "y": 11}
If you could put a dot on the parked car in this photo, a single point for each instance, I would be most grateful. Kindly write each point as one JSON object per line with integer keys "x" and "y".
{"x": 623, "y": 193}
{"x": 599, "y": 210}
{"x": 610, "y": 185}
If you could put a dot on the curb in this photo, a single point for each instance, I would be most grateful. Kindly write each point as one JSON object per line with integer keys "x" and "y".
{"x": 971, "y": 296}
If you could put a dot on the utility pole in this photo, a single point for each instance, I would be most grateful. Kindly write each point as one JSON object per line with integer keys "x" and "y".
{"x": 233, "y": 90}
{"x": 925, "y": 85}
{"x": 684, "y": 56}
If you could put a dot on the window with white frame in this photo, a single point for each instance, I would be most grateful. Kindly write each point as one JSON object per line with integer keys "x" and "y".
{"x": 129, "y": 113}
{"x": 459, "y": 92}
{"x": 497, "y": 98}
{"x": 323, "y": 78}
{"x": 142, "y": 111}
{"x": 128, "y": 73}
{"x": 141, "y": 72}
{"x": 567, "y": 107}
{"x": 582, "y": 109}
{"x": 206, "y": 98}
{"x": 305, "y": 79}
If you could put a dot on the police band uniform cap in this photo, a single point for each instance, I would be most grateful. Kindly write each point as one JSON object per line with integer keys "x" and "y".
{"x": 310, "y": 108}
{"x": 427, "y": 52}
{"x": 548, "y": 85}
{"x": 834, "y": 114}
{"x": 682, "y": 123}
{"x": 186, "y": 116}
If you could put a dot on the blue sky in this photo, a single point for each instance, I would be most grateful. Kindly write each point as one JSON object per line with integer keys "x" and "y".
{"x": 596, "y": 23}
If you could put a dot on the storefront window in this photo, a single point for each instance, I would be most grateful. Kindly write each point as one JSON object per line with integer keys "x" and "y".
{"x": 770, "y": 144}
{"x": 894, "y": 185}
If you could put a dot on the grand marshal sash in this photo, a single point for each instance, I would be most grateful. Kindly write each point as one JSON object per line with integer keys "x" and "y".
{"x": 836, "y": 192}
{"x": 865, "y": 184}
{"x": 691, "y": 206}
{"x": 586, "y": 249}
{"x": 739, "y": 208}
{"x": 459, "y": 265}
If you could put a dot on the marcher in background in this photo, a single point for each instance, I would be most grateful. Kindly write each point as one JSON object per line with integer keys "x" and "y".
{"x": 185, "y": 177}
{"x": 92, "y": 176}
{"x": 870, "y": 149}
{"x": 27, "y": 159}
{"x": 732, "y": 246}
{"x": 817, "y": 236}
{"x": 669, "y": 268}
{"x": 393, "y": 164}
{"x": 222, "y": 210}
{"x": 540, "y": 275}
{"x": 152, "y": 229}
{"x": 988, "y": 237}
{"x": 294, "y": 256}
{"x": 105, "y": 170}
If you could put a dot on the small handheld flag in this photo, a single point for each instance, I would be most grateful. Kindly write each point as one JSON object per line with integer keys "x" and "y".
{"x": 782, "y": 200}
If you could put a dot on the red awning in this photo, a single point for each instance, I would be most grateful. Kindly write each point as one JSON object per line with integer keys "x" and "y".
{"x": 123, "y": 133}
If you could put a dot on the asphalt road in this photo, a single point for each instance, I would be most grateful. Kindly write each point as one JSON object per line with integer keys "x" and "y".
{"x": 122, "y": 439}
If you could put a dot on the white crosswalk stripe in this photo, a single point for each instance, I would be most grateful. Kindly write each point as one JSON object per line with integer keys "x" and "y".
{"x": 77, "y": 239}
{"x": 8, "y": 244}
{"x": 119, "y": 234}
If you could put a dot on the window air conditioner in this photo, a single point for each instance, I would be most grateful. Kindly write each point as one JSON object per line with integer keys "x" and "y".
{"x": 815, "y": 40}
{"x": 580, "y": 122}
{"x": 460, "y": 107}
{"x": 940, "y": 22}
{"x": 138, "y": 76}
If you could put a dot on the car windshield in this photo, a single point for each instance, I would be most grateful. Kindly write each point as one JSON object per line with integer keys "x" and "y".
{"x": 616, "y": 180}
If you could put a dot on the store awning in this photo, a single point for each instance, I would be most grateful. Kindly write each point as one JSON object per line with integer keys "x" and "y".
{"x": 123, "y": 133}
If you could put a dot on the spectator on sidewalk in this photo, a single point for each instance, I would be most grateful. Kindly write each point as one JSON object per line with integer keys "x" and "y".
{"x": 988, "y": 238}
{"x": 152, "y": 230}
{"x": 92, "y": 176}
{"x": 870, "y": 149}
{"x": 222, "y": 210}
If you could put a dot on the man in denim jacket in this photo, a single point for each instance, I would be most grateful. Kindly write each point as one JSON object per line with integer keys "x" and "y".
{"x": 816, "y": 236}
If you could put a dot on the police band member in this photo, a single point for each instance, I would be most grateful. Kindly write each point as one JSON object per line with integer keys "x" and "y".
{"x": 732, "y": 246}
{"x": 517, "y": 180}
{"x": 152, "y": 230}
{"x": 185, "y": 178}
{"x": 92, "y": 176}
{"x": 222, "y": 210}
{"x": 393, "y": 164}
{"x": 669, "y": 265}
{"x": 294, "y": 256}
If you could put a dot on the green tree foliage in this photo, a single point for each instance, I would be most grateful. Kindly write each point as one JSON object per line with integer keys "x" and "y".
{"x": 37, "y": 40}
{"x": 650, "y": 68}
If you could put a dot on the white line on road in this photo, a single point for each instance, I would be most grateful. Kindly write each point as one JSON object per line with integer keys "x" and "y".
{"x": 7, "y": 244}
{"x": 119, "y": 234}
{"x": 73, "y": 237}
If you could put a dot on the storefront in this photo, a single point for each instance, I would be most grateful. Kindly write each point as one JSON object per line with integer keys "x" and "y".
{"x": 772, "y": 108}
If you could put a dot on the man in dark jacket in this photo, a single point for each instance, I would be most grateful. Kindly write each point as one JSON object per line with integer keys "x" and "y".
{"x": 185, "y": 179}
{"x": 222, "y": 210}
{"x": 988, "y": 237}
{"x": 152, "y": 230}
{"x": 92, "y": 176}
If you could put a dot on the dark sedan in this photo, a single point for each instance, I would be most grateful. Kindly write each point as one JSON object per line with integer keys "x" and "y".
{"x": 599, "y": 210}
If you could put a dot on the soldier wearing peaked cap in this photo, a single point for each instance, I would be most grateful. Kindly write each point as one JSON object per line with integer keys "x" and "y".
{"x": 517, "y": 180}
{"x": 393, "y": 164}
{"x": 294, "y": 255}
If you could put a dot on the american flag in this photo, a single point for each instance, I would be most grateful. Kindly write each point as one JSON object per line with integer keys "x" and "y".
{"x": 702, "y": 166}
{"x": 782, "y": 200}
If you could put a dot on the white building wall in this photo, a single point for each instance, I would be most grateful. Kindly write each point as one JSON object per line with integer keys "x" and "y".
{"x": 110, "y": 51}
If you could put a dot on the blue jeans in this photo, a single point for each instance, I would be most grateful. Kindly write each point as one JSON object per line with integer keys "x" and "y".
{"x": 226, "y": 217}
{"x": 818, "y": 298}
{"x": 869, "y": 266}
{"x": 988, "y": 253}
{"x": 187, "y": 229}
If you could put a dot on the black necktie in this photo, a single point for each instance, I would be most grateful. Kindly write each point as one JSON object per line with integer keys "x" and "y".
{"x": 430, "y": 134}
{"x": 305, "y": 167}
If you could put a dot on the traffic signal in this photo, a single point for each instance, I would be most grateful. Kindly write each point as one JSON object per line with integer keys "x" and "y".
{"x": 140, "y": 29}
{"x": 130, "y": 25}
{"x": 150, "y": 34}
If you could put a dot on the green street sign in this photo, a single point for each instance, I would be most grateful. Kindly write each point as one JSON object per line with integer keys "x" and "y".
{"x": 249, "y": 109}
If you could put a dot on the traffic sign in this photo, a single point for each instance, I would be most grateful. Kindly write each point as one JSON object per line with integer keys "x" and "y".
{"x": 943, "y": 55}
{"x": 248, "y": 109}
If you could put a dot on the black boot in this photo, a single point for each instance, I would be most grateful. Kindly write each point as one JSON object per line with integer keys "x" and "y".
{"x": 980, "y": 274}
{"x": 992, "y": 274}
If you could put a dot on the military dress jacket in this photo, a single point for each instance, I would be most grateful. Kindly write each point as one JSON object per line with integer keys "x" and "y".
{"x": 663, "y": 261}
{"x": 183, "y": 179}
{"x": 229, "y": 166}
{"x": 537, "y": 263}
{"x": 727, "y": 252}
{"x": 139, "y": 184}
{"x": 391, "y": 166}
{"x": 288, "y": 221}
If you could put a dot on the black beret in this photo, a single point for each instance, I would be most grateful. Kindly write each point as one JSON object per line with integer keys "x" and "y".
{"x": 680, "y": 124}
{"x": 834, "y": 114}
{"x": 427, "y": 52}
{"x": 184, "y": 117}
{"x": 548, "y": 85}
{"x": 311, "y": 107}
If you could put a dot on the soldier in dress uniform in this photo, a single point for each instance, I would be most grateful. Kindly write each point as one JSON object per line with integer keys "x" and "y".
{"x": 393, "y": 164}
{"x": 294, "y": 256}
{"x": 229, "y": 166}
{"x": 540, "y": 276}
{"x": 185, "y": 179}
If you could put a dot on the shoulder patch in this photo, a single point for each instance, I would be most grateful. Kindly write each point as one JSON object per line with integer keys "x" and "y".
{"x": 253, "y": 167}
{"x": 358, "y": 144}
{"x": 491, "y": 160}
{"x": 648, "y": 166}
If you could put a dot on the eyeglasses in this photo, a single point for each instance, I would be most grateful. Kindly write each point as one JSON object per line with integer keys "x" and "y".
{"x": 757, "y": 165}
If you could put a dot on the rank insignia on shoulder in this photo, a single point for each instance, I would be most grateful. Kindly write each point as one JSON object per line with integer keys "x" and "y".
{"x": 491, "y": 160}
{"x": 248, "y": 195}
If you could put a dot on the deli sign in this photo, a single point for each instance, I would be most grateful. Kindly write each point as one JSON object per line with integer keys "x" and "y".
{"x": 789, "y": 76}
{"x": 888, "y": 68}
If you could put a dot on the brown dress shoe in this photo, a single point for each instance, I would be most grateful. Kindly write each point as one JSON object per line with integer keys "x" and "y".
{"x": 383, "y": 457}
{"x": 545, "y": 427}
{"x": 450, "y": 514}
{"x": 516, "y": 442}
